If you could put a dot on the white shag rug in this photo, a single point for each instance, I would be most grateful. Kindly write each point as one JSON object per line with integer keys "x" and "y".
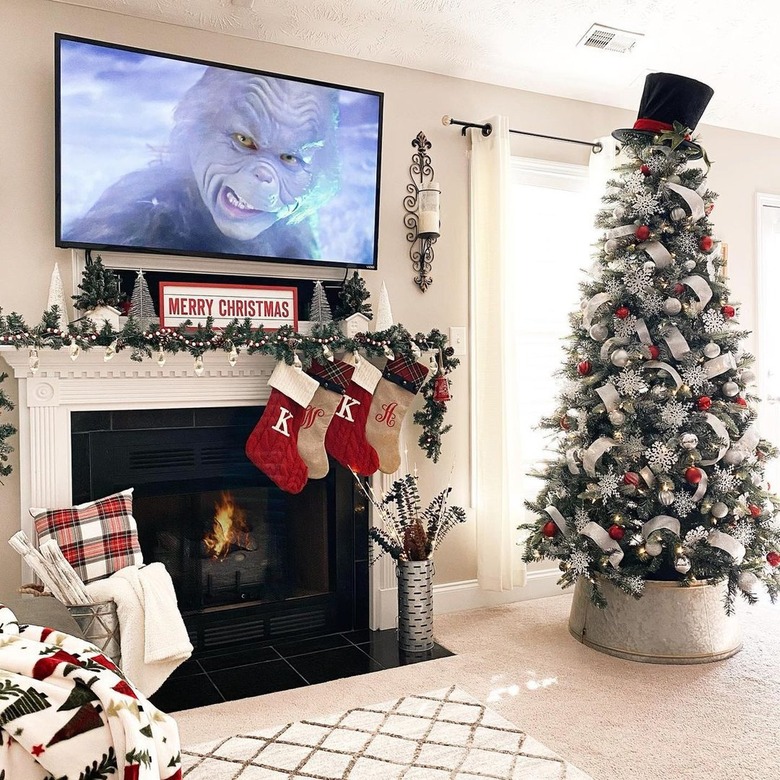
{"x": 442, "y": 735}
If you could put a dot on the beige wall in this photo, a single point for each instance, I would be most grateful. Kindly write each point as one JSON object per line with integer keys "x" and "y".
{"x": 414, "y": 101}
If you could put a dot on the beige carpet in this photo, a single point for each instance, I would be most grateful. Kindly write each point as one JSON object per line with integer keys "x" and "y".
{"x": 614, "y": 719}
{"x": 439, "y": 735}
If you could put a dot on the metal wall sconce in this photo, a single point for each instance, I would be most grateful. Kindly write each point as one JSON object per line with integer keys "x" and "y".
{"x": 422, "y": 212}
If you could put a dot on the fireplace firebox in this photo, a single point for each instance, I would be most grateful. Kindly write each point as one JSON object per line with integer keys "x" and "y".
{"x": 249, "y": 562}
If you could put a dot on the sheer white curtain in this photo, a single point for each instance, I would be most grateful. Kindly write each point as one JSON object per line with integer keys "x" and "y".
{"x": 497, "y": 504}
{"x": 601, "y": 168}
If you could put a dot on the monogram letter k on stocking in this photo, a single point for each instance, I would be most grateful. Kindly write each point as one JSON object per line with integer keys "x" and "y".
{"x": 273, "y": 444}
{"x": 401, "y": 381}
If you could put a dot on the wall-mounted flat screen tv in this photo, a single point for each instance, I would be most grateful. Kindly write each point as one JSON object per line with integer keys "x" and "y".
{"x": 173, "y": 155}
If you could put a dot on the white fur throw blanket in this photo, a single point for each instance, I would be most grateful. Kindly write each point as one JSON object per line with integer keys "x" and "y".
{"x": 152, "y": 634}
{"x": 66, "y": 711}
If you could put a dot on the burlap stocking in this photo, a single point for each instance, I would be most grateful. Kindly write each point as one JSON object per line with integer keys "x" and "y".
{"x": 346, "y": 437}
{"x": 401, "y": 381}
{"x": 333, "y": 378}
{"x": 273, "y": 444}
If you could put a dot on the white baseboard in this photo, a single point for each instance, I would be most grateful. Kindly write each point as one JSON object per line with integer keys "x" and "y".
{"x": 454, "y": 596}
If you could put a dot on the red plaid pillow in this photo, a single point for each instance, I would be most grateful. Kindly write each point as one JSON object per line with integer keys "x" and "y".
{"x": 96, "y": 538}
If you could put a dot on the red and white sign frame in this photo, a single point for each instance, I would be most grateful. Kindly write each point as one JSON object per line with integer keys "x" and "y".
{"x": 269, "y": 306}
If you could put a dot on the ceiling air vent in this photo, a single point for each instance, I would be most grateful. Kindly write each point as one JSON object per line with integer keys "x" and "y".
{"x": 610, "y": 39}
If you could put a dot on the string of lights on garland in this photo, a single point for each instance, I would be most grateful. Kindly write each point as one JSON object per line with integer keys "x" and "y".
{"x": 239, "y": 337}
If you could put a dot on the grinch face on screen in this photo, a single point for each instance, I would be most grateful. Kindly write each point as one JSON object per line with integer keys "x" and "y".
{"x": 260, "y": 148}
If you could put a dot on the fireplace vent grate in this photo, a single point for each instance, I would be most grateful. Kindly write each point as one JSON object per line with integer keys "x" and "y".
{"x": 296, "y": 623}
{"x": 157, "y": 460}
{"x": 214, "y": 456}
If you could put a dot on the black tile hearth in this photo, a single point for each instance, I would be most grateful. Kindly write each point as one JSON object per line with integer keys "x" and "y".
{"x": 258, "y": 669}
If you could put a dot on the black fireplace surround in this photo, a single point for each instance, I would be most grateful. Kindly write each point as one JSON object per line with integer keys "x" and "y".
{"x": 250, "y": 563}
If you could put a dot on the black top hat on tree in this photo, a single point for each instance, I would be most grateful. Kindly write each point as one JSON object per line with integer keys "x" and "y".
{"x": 669, "y": 99}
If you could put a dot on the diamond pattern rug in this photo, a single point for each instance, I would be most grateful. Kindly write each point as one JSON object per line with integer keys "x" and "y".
{"x": 442, "y": 735}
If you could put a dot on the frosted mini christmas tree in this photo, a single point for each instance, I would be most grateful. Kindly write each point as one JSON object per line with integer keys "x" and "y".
{"x": 659, "y": 472}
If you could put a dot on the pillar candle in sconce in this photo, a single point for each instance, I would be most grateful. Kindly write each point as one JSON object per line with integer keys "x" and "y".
{"x": 428, "y": 222}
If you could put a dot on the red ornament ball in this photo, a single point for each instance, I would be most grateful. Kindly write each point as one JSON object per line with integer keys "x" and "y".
{"x": 549, "y": 529}
{"x": 622, "y": 312}
{"x": 728, "y": 311}
{"x": 645, "y": 169}
{"x": 616, "y": 532}
{"x": 693, "y": 475}
{"x": 642, "y": 232}
{"x": 740, "y": 400}
{"x": 705, "y": 243}
{"x": 654, "y": 351}
{"x": 754, "y": 510}
{"x": 704, "y": 403}
{"x": 773, "y": 558}
{"x": 631, "y": 478}
{"x": 584, "y": 367}
{"x": 708, "y": 208}
{"x": 679, "y": 288}
{"x": 565, "y": 423}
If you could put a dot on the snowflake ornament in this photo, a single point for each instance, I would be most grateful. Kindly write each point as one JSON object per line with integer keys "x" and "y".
{"x": 645, "y": 205}
{"x": 634, "y": 183}
{"x": 695, "y": 536}
{"x": 659, "y": 456}
{"x": 608, "y": 484}
{"x": 614, "y": 287}
{"x": 637, "y": 280}
{"x": 634, "y": 584}
{"x": 744, "y": 532}
{"x": 632, "y": 448}
{"x": 625, "y": 328}
{"x": 683, "y": 504}
{"x": 674, "y": 414}
{"x": 695, "y": 377}
{"x": 686, "y": 244}
{"x": 657, "y": 163}
{"x": 630, "y": 382}
{"x": 579, "y": 562}
{"x": 723, "y": 480}
{"x": 652, "y": 304}
{"x": 581, "y": 518}
{"x": 712, "y": 321}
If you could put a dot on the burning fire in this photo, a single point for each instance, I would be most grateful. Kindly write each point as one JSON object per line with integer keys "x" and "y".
{"x": 229, "y": 530}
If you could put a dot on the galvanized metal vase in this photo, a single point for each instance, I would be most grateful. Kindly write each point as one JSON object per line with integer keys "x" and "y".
{"x": 668, "y": 625}
{"x": 100, "y": 625}
{"x": 415, "y": 606}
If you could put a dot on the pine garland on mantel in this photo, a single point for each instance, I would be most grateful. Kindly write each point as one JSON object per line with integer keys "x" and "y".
{"x": 239, "y": 336}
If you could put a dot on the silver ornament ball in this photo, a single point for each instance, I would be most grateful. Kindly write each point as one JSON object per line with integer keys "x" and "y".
{"x": 748, "y": 376}
{"x": 678, "y": 214}
{"x": 719, "y": 510}
{"x": 730, "y": 389}
{"x": 659, "y": 392}
{"x": 619, "y": 212}
{"x": 611, "y": 246}
{"x": 689, "y": 265}
{"x": 673, "y": 179}
{"x": 711, "y": 350}
{"x": 666, "y": 497}
{"x": 747, "y": 581}
{"x": 649, "y": 266}
{"x": 689, "y": 441}
{"x": 672, "y": 306}
{"x": 734, "y": 456}
{"x": 682, "y": 564}
{"x": 619, "y": 358}
{"x": 654, "y": 548}
{"x": 599, "y": 331}
{"x": 616, "y": 417}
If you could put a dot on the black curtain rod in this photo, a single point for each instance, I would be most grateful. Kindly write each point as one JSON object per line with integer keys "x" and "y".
{"x": 487, "y": 129}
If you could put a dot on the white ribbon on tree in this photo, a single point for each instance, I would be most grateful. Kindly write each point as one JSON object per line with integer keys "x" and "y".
{"x": 749, "y": 439}
{"x": 661, "y": 366}
{"x": 591, "y": 306}
{"x": 621, "y": 232}
{"x": 643, "y": 332}
{"x": 615, "y": 341}
{"x": 656, "y": 524}
{"x": 558, "y": 519}
{"x": 647, "y": 475}
{"x": 728, "y": 543}
{"x": 701, "y": 488}
{"x": 721, "y": 433}
{"x": 591, "y": 455}
{"x": 610, "y": 396}
{"x": 676, "y": 342}
{"x": 596, "y": 533}
{"x": 658, "y": 252}
{"x": 699, "y": 285}
{"x": 719, "y": 365}
{"x": 691, "y": 197}
{"x": 702, "y": 188}
{"x": 571, "y": 461}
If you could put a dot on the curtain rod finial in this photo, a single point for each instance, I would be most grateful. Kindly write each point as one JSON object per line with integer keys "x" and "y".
{"x": 446, "y": 120}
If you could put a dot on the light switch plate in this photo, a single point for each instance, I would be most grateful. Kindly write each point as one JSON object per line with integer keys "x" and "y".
{"x": 458, "y": 340}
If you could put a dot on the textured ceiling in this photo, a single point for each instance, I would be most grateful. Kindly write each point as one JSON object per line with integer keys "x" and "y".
{"x": 526, "y": 44}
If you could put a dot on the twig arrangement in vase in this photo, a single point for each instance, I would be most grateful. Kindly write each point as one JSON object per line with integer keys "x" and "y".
{"x": 406, "y": 531}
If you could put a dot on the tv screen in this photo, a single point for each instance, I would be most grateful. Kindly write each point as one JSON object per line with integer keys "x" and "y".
{"x": 172, "y": 155}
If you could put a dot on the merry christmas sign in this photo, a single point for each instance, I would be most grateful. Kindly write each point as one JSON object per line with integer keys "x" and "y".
{"x": 270, "y": 307}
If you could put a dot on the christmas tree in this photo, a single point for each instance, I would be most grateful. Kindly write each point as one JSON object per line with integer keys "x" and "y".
{"x": 319, "y": 308}
{"x": 57, "y": 298}
{"x": 99, "y": 286}
{"x": 659, "y": 469}
{"x": 141, "y": 304}
{"x": 353, "y": 298}
{"x": 6, "y": 431}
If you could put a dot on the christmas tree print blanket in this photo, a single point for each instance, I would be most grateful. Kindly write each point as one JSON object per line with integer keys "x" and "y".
{"x": 68, "y": 713}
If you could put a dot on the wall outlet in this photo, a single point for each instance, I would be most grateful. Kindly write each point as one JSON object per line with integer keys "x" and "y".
{"x": 458, "y": 340}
